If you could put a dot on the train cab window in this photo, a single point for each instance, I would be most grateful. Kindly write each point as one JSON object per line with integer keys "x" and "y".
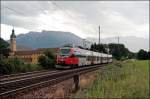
{"x": 64, "y": 52}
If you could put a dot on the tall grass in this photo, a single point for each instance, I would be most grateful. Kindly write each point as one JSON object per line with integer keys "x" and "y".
{"x": 128, "y": 79}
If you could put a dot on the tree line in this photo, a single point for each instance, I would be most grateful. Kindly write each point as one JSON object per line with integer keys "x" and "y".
{"x": 119, "y": 51}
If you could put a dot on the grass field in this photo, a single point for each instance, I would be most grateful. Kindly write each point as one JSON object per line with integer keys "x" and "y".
{"x": 128, "y": 79}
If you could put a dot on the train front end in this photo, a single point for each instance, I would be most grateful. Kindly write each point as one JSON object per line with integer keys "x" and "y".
{"x": 66, "y": 58}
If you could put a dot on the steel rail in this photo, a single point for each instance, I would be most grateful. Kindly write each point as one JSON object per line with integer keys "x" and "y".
{"x": 49, "y": 78}
{"x": 20, "y": 74}
{"x": 46, "y": 74}
{"x": 27, "y": 75}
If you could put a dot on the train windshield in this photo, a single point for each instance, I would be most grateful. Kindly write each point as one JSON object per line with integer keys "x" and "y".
{"x": 64, "y": 52}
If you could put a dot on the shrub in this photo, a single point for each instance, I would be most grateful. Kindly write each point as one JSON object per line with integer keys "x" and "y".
{"x": 47, "y": 60}
{"x": 9, "y": 66}
{"x": 142, "y": 55}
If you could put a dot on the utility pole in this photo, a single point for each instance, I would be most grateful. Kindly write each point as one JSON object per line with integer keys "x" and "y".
{"x": 0, "y": 32}
{"x": 1, "y": 50}
{"x": 118, "y": 39}
{"x": 84, "y": 43}
{"x": 99, "y": 44}
{"x": 99, "y": 35}
{"x": 118, "y": 48}
{"x": 107, "y": 52}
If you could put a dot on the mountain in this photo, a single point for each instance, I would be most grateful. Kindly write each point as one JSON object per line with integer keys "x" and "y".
{"x": 134, "y": 44}
{"x": 52, "y": 39}
{"x": 47, "y": 39}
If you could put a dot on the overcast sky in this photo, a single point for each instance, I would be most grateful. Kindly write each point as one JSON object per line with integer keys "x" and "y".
{"x": 116, "y": 18}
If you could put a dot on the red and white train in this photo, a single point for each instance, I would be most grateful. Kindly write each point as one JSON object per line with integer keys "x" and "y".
{"x": 73, "y": 57}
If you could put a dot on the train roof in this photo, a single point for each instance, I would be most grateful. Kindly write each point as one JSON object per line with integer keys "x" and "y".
{"x": 84, "y": 52}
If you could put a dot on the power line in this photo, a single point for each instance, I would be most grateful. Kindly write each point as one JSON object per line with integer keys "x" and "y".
{"x": 18, "y": 12}
{"x": 62, "y": 9}
{"x": 14, "y": 10}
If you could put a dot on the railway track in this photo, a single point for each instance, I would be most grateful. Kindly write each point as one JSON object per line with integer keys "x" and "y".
{"x": 25, "y": 75}
{"x": 14, "y": 85}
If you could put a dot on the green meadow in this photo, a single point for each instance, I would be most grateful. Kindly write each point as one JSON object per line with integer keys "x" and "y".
{"x": 126, "y": 79}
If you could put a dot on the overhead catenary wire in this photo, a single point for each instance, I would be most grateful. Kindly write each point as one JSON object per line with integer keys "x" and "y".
{"x": 61, "y": 8}
{"x": 14, "y": 10}
{"x": 54, "y": 3}
{"x": 66, "y": 12}
{"x": 18, "y": 12}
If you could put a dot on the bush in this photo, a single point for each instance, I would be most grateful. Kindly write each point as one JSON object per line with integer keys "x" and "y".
{"x": 9, "y": 66}
{"x": 47, "y": 60}
{"x": 142, "y": 55}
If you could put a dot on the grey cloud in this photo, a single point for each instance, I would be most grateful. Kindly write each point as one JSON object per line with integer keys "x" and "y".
{"x": 23, "y": 13}
{"x": 27, "y": 8}
{"x": 130, "y": 9}
{"x": 136, "y": 13}
{"x": 86, "y": 15}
